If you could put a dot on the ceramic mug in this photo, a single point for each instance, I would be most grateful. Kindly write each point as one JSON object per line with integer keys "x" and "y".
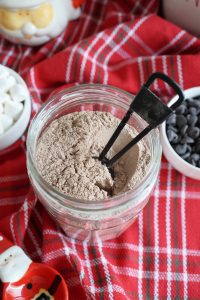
{"x": 184, "y": 13}
{"x": 35, "y": 22}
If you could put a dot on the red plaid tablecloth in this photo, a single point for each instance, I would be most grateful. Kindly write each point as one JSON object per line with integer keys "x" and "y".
{"x": 116, "y": 42}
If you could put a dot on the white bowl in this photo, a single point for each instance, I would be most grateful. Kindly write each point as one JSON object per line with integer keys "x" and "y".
{"x": 9, "y": 137}
{"x": 176, "y": 161}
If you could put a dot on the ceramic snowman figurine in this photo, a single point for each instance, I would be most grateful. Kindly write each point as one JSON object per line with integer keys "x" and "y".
{"x": 26, "y": 280}
{"x": 35, "y": 22}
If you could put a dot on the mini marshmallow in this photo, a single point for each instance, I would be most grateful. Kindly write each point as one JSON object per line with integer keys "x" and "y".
{"x": 1, "y": 129}
{"x": 7, "y": 83}
{"x": 18, "y": 92}
{"x": 3, "y": 72}
{"x": 6, "y": 121}
{"x": 1, "y": 108}
{"x": 13, "y": 109}
{"x": 4, "y": 97}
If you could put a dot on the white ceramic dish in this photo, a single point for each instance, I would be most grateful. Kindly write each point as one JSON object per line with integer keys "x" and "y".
{"x": 176, "y": 161}
{"x": 9, "y": 137}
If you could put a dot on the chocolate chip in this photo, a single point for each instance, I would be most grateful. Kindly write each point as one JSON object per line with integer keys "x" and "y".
{"x": 186, "y": 155}
{"x": 195, "y": 156}
{"x": 191, "y": 161}
{"x": 189, "y": 148}
{"x": 189, "y": 101}
{"x": 193, "y": 103}
{"x": 171, "y": 120}
{"x": 181, "y": 110}
{"x": 193, "y": 132}
{"x": 177, "y": 140}
{"x": 170, "y": 127}
{"x": 187, "y": 140}
{"x": 172, "y": 136}
{"x": 181, "y": 149}
{"x": 181, "y": 121}
{"x": 192, "y": 120}
{"x": 183, "y": 130}
{"x": 193, "y": 111}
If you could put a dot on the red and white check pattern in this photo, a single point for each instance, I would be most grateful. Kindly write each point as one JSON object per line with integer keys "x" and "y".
{"x": 117, "y": 42}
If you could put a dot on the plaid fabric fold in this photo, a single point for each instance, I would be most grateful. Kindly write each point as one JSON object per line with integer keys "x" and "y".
{"x": 119, "y": 43}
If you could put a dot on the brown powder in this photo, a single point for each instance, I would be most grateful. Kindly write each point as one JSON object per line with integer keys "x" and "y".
{"x": 66, "y": 150}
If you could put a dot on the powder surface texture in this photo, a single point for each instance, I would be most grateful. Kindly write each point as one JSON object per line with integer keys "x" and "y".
{"x": 65, "y": 156}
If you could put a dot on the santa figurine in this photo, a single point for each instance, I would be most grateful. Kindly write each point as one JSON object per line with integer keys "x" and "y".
{"x": 35, "y": 22}
{"x": 26, "y": 280}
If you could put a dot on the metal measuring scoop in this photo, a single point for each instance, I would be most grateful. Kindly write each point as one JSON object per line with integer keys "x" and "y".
{"x": 150, "y": 108}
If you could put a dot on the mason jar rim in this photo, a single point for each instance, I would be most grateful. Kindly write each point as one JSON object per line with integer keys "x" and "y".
{"x": 61, "y": 197}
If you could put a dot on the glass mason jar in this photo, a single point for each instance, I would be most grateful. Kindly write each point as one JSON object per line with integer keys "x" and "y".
{"x": 86, "y": 219}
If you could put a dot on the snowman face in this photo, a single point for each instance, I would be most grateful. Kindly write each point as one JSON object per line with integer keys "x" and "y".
{"x": 13, "y": 264}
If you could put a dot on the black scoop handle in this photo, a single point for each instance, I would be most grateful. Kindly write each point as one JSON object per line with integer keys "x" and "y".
{"x": 171, "y": 82}
{"x": 149, "y": 107}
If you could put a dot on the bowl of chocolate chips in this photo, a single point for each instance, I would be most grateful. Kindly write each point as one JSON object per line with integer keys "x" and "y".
{"x": 180, "y": 135}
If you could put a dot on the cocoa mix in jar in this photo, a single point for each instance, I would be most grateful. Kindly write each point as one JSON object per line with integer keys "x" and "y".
{"x": 67, "y": 149}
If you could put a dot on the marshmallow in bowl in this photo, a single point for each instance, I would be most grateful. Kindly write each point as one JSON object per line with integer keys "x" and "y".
{"x": 4, "y": 97}
{"x": 7, "y": 83}
{"x": 5, "y": 121}
{"x": 13, "y": 109}
{"x": 13, "y": 95}
{"x": 18, "y": 92}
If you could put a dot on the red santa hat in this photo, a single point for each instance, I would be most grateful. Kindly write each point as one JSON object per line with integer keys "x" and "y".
{"x": 21, "y": 3}
{"x": 4, "y": 244}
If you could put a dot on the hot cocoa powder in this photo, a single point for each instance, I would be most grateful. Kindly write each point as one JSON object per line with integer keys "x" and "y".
{"x": 66, "y": 150}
